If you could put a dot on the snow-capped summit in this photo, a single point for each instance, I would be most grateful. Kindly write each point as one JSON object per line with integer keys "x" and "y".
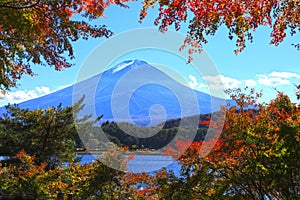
{"x": 121, "y": 66}
{"x": 132, "y": 87}
{"x": 129, "y": 64}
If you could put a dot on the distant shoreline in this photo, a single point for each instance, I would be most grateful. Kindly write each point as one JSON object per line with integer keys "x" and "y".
{"x": 137, "y": 152}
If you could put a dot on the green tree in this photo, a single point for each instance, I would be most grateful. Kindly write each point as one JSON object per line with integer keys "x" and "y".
{"x": 27, "y": 180}
{"x": 256, "y": 157}
{"x": 47, "y": 134}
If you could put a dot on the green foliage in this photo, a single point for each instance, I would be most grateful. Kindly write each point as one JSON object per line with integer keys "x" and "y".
{"x": 31, "y": 181}
{"x": 47, "y": 134}
{"x": 142, "y": 138}
{"x": 26, "y": 180}
{"x": 256, "y": 157}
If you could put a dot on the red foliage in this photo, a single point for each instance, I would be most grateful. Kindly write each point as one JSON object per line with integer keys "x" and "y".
{"x": 241, "y": 17}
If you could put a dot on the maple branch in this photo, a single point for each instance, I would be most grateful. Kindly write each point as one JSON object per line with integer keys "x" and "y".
{"x": 241, "y": 185}
{"x": 20, "y": 7}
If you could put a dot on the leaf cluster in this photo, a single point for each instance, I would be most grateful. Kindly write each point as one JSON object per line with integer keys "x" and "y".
{"x": 41, "y": 32}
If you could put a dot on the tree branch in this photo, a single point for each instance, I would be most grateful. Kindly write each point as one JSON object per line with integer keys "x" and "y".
{"x": 20, "y": 7}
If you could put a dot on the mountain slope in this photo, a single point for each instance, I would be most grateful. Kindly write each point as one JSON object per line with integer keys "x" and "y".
{"x": 133, "y": 91}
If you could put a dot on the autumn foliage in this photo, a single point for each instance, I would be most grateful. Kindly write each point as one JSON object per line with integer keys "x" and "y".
{"x": 240, "y": 17}
{"x": 41, "y": 32}
{"x": 255, "y": 157}
{"x": 28, "y": 180}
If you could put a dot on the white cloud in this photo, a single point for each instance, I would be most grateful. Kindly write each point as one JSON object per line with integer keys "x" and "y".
{"x": 194, "y": 84}
{"x": 24, "y": 95}
{"x": 43, "y": 90}
{"x": 250, "y": 83}
{"x": 221, "y": 82}
{"x": 202, "y": 85}
{"x": 276, "y": 78}
{"x": 271, "y": 81}
{"x": 285, "y": 75}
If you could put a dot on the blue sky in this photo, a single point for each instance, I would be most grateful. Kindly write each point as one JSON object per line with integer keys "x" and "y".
{"x": 260, "y": 65}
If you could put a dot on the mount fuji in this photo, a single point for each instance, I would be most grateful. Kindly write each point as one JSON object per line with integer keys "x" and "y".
{"x": 132, "y": 91}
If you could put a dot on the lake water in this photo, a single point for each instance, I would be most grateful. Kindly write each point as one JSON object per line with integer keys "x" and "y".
{"x": 143, "y": 163}
{"x": 140, "y": 163}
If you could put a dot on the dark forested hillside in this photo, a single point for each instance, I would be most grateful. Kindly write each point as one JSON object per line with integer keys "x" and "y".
{"x": 155, "y": 137}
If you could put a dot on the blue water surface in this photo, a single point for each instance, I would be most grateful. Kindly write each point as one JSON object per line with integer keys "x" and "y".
{"x": 142, "y": 163}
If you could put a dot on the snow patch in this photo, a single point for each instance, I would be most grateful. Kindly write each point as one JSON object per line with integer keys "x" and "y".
{"x": 122, "y": 66}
